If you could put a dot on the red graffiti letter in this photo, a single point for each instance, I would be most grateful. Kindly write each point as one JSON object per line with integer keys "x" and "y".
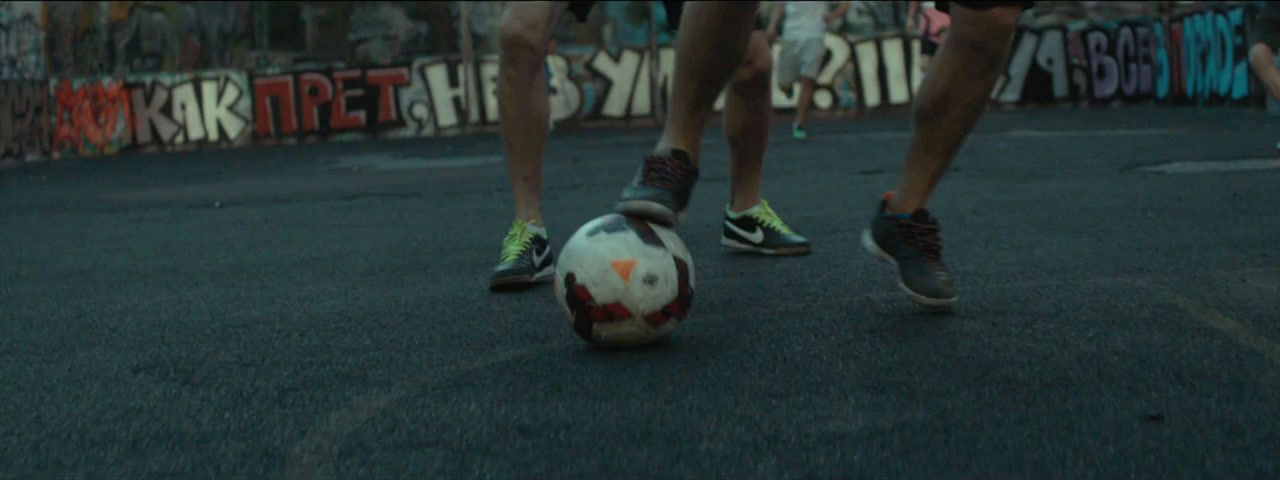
{"x": 280, "y": 87}
{"x": 316, "y": 89}
{"x": 342, "y": 119}
{"x": 386, "y": 79}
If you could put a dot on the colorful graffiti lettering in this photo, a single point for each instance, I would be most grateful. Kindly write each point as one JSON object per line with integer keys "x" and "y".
{"x": 1197, "y": 58}
{"x": 1200, "y": 58}
{"x": 1121, "y": 62}
{"x": 458, "y": 97}
{"x": 886, "y": 70}
{"x": 1215, "y": 56}
{"x": 91, "y": 117}
{"x": 1038, "y": 69}
{"x": 211, "y": 108}
{"x": 321, "y": 103}
{"x": 628, "y": 86}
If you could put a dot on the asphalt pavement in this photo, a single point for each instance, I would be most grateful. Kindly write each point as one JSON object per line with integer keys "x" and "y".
{"x": 322, "y": 310}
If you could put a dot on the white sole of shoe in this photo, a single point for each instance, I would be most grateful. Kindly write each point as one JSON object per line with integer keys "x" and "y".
{"x": 651, "y": 211}
{"x": 522, "y": 280}
{"x": 734, "y": 244}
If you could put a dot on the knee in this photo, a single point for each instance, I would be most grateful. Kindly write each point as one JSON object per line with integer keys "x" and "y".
{"x": 522, "y": 42}
{"x": 988, "y": 33}
{"x": 999, "y": 19}
{"x": 757, "y": 64}
{"x": 1261, "y": 54}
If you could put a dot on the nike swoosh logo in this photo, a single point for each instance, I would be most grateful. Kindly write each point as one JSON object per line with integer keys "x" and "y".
{"x": 537, "y": 259}
{"x": 753, "y": 237}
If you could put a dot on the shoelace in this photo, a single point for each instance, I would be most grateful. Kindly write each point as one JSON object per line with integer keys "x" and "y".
{"x": 665, "y": 173}
{"x": 518, "y": 240}
{"x": 769, "y": 218}
{"x": 924, "y": 238}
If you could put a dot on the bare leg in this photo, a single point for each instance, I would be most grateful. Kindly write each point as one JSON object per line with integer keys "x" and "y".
{"x": 1263, "y": 60}
{"x": 747, "y": 108}
{"x": 711, "y": 44}
{"x": 522, "y": 99}
{"x": 806, "y": 99}
{"x": 952, "y": 97}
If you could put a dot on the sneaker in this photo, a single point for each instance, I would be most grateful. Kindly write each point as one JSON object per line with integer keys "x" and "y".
{"x": 760, "y": 230}
{"x": 798, "y": 133}
{"x": 915, "y": 247}
{"x": 661, "y": 188}
{"x": 526, "y": 258}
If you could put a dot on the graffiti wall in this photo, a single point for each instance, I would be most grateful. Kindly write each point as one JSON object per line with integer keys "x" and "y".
{"x": 24, "y": 121}
{"x": 1196, "y": 59}
{"x": 1200, "y": 58}
{"x": 324, "y": 103}
{"x": 21, "y": 41}
{"x": 1041, "y": 69}
{"x": 172, "y": 84}
{"x": 210, "y": 108}
{"x": 90, "y": 117}
{"x": 446, "y": 96}
{"x": 118, "y": 38}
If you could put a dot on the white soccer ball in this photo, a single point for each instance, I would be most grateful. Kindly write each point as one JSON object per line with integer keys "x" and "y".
{"x": 624, "y": 282}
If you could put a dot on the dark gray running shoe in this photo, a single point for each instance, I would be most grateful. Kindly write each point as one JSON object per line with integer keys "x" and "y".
{"x": 661, "y": 188}
{"x": 915, "y": 246}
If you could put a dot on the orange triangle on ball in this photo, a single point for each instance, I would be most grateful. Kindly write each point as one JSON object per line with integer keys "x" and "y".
{"x": 623, "y": 268}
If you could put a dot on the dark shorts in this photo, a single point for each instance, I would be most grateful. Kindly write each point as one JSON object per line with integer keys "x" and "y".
{"x": 928, "y": 46}
{"x": 1266, "y": 28}
{"x": 945, "y": 7}
{"x": 582, "y": 9}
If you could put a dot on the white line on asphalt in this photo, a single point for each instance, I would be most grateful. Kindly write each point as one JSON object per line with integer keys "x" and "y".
{"x": 314, "y": 456}
{"x": 1085, "y": 133}
{"x": 397, "y": 162}
{"x": 1238, "y": 332}
{"x": 1243, "y": 165}
{"x": 1025, "y": 133}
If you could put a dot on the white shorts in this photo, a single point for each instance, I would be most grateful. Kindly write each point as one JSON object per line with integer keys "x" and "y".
{"x": 799, "y": 58}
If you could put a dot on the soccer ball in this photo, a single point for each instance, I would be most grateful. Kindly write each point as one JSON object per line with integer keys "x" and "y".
{"x": 624, "y": 282}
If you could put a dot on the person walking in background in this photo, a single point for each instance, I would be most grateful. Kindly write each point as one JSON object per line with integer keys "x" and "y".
{"x": 931, "y": 24}
{"x": 802, "y": 49}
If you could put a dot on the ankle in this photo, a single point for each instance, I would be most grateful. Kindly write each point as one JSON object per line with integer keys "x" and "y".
{"x": 740, "y": 207}
{"x": 895, "y": 207}
{"x": 537, "y": 229}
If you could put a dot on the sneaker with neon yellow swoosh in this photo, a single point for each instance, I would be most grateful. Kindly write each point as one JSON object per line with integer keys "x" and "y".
{"x": 526, "y": 258}
{"x": 760, "y": 230}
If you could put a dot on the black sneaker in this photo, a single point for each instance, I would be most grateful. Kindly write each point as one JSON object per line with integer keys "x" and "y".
{"x": 661, "y": 189}
{"x": 526, "y": 259}
{"x": 761, "y": 230}
{"x": 915, "y": 246}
